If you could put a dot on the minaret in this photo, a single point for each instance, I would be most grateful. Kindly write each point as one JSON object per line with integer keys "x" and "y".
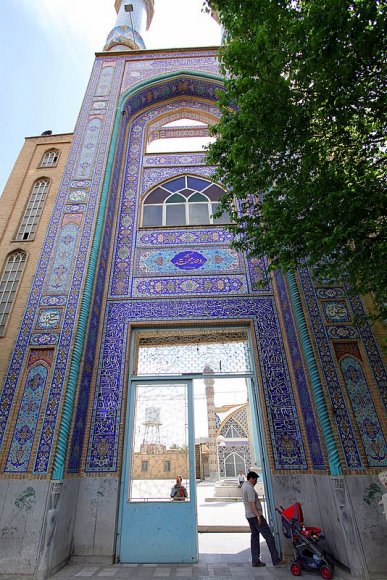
{"x": 212, "y": 459}
{"x": 133, "y": 18}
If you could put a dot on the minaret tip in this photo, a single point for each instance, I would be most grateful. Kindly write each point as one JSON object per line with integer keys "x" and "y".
{"x": 130, "y": 24}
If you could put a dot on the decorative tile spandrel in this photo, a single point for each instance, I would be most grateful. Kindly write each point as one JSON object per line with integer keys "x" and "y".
{"x": 367, "y": 420}
{"x": 38, "y": 366}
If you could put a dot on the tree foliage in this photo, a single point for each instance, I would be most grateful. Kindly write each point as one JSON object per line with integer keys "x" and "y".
{"x": 300, "y": 143}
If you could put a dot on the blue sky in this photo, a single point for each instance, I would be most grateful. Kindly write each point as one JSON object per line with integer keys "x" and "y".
{"x": 48, "y": 51}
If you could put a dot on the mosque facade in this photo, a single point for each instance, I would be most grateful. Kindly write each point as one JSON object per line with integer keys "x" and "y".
{"x": 119, "y": 289}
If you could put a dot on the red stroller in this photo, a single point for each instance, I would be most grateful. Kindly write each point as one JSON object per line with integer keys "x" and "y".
{"x": 304, "y": 539}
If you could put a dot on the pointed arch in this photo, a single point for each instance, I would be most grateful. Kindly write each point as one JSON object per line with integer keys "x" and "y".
{"x": 33, "y": 211}
{"x": 50, "y": 158}
{"x": 9, "y": 282}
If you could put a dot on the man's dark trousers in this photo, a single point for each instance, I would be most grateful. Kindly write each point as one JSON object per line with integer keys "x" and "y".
{"x": 267, "y": 534}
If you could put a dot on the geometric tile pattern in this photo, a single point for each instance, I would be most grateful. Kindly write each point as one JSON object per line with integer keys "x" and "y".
{"x": 89, "y": 149}
{"x": 369, "y": 343}
{"x": 236, "y": 429}
{"x": 340, "y": 332}
{"x": 166, "y": 237}
{"x": 330, "y": 371}
{"x": 364, "y": 409}
{"x": 104, "y": 81}
{"x": 144, "y": 66}
{"x": 182, "y": 286}
{"x": 241, "y": 417}
{"x": 39, "y": 364}
{"x": 60, "y": 274}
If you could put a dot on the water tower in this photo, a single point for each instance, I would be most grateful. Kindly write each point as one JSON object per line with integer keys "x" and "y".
{"x": 151, "y": 440}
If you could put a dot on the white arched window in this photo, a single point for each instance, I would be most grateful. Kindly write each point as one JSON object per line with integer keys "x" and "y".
{"x": 233, "y": 463}
{"x": 50, "y": 158}
{"x": 9, "y": 282}
{"x": 183, "y": 201}
{"x": 33, "y": 210}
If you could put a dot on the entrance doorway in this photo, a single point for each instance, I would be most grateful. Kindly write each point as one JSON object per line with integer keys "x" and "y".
{"x": 191, "y": 413}
{"x": 225, "y": 453}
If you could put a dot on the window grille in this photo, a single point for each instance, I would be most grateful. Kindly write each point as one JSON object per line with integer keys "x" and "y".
{"x": 50, "y": 159}
{"x": 33, "y": 210}
{"x": 9, "y": 282}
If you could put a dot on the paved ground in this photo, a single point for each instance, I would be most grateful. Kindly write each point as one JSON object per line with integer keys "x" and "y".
{"x": 222, "y": 557}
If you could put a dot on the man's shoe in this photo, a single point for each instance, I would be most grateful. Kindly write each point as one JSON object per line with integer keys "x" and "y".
{"x": 258, "y": 564}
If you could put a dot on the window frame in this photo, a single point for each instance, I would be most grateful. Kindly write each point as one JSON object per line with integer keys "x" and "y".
{"x": 185, "y": 201}
{"x": 33, "y": 210}
{"x": 13, "y": 288}
{"x": 48, "y": 154}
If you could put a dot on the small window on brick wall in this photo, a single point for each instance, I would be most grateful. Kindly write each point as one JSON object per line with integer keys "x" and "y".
{"x": 9, "y": 282}
{"x": 33, "y": 210}
{"x": 50, "y": 158}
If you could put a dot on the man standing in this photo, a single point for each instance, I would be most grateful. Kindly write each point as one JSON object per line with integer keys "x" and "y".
{"x": 257, "y": 523}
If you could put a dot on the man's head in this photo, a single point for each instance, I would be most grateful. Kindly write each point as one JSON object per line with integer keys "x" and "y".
{"x": 252, "y": 476}
{"x": 179, "y": 479}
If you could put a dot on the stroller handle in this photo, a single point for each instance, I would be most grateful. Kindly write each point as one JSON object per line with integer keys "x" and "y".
{"x": 279, "y": 511}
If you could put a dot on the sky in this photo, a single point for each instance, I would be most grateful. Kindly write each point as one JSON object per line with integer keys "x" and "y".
{"x": 47, "y": 55}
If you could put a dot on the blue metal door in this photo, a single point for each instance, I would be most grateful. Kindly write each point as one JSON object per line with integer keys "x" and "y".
{"x": 159, "y": 447}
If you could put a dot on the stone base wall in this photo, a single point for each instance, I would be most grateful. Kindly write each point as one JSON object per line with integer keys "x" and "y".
{"x": 43, "y": 523}
{"x": 349, "y": 513}
{"x": 96, "y": 522}
{"x": 22, "y": 509}
{"x": 36, "y": 525}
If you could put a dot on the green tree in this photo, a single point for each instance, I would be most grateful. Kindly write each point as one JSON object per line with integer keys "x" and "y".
{"x": 300, "y": 144}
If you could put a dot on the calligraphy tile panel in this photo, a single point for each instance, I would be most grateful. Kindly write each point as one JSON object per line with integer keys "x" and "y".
{"x": 195, "y": 260}
{"x": 301, "y": 382}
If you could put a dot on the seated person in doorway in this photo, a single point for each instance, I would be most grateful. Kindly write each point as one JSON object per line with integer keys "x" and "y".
{"x": 178, "y": 491}
{"x": 241, "y": 478}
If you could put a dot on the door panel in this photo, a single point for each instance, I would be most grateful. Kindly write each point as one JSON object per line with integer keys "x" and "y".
{"x": 159, "y": 446}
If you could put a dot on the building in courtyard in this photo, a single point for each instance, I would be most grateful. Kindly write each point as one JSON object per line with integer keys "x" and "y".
{"x": 119, "y": 290}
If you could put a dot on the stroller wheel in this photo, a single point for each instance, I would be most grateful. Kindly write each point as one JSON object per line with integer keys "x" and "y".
{"x": 326, "y": 572}
{"x": 296, "y": 569}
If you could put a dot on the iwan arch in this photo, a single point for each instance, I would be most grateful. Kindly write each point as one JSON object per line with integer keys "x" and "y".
{"x": 112, "y": 278}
